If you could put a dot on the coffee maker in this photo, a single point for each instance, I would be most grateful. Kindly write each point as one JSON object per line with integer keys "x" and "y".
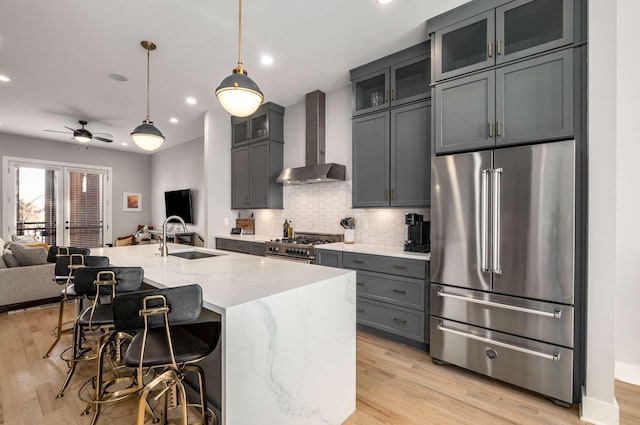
{"x": 417, "y": 233}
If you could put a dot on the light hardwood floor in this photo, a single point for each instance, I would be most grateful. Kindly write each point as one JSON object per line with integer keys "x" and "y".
{"x": 395, "y": 385}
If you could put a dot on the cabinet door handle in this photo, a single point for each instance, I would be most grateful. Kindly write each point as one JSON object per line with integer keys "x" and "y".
{"x": 399, "y": 291}
{"x": 359, "y": 283}
{"x": 358, "y": 261}
{"x": 360, "y": 310}
{"x": 391, "y": 94}
{"x": 490, "y": 49}
{"x": 499, "y": 128}
{"x": 386, "y": 195}
{"x": 499, "y": 47}
{"x": 491, "y": 129}
{"x": 400, "y": 321}
{"x": 386, "y": 96}
{"x": 393, "y": 194}
{"x": 400, "y": 267}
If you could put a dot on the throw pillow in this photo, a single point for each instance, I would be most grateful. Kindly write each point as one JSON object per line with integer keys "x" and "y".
{"x": 125, "y": 241}
{"x": 23, "y": 239}
{"x": 3, "y": 265}
{"x": 38, "y": 245}
{"x": 10, "y": 260}
{"x": 29, "y": 256}
{"x": 1, "y": 246}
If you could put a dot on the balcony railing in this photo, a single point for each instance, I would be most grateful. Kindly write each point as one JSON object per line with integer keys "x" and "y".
{"x": 41, "y": 230}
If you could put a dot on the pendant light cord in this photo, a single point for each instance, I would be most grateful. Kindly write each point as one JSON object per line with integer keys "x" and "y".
{"x": 148, "y": 59}
{"x": 240, "y": 33}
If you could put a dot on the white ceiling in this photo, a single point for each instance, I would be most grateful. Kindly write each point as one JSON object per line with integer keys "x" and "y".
{"x": 59, "y": 54}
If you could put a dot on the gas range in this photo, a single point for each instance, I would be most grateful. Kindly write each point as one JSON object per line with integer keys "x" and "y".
{"x": 301, "y": 248}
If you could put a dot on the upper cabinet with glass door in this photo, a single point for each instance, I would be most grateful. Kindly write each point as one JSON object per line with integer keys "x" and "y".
{"x": 511, "y": 31}
{"x": 265, "y": 123}
{"x": 391, "y": 81}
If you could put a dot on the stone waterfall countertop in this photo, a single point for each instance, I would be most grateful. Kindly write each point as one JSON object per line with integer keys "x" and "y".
{"x": 229, "y": 279}
{"x": 389, "y": 251}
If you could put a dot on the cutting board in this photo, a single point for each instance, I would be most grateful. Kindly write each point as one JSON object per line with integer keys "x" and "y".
{"x": 247, "y": 225}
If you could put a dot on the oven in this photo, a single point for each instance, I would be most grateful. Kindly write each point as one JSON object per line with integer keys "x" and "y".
{"x": 301, "y": 248}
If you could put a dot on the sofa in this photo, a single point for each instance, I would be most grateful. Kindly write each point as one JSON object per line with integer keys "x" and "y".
{"x": 26, "y": 277}
{"x": 26, "y": 286}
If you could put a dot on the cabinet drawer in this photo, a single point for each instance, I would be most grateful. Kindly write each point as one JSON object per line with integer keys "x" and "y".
{"x": 403, "y": 291}
{"x": 233, "y": 245}
{"x": 257, "y": 248}
{"x": 393, "y": 319}
{"x": 391, "y": 265}
{"x": 543, "y": 368}
{"x": 543, "y": 321}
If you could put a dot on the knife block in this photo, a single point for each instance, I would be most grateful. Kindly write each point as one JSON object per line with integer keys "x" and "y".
{"x": 248, "y": 225}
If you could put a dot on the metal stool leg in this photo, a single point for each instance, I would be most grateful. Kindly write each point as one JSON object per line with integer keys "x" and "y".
{"x": 76, "y": 345}
{"x": 58, "y": 329}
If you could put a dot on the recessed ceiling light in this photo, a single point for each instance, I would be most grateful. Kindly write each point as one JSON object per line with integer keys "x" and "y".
{"x": 266, "y": 60}
{"x": 124, "y": 144}
{"x": 191, "y": 100}
{"x": 4, "y": 78}
{"x": 173, "y": 120}
{"x": 118, "y": 77}
{"x": 384, "y": 1}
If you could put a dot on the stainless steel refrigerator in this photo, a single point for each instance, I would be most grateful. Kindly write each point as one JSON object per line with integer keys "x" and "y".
{"x": 503, "y": 265}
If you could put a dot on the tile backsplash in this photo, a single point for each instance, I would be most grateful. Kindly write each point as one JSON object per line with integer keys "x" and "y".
{"x": 320, "y": 207}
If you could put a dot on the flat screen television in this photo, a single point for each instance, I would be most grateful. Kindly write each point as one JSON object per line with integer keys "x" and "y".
{"x": 178, "y": 202}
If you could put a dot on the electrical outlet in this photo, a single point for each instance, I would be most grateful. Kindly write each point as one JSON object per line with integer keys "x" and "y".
{"x": 226, "y": 221}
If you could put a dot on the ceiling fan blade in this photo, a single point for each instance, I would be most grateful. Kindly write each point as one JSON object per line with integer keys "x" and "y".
{"x": 56, "y": 131}
{"x": 105, "y": 134}
{"x": 69, "y": 128}
{"x": 102, "y": 139}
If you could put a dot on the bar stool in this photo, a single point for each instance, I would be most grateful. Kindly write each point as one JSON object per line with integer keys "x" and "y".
{"x": 78, "y": 352}
{"x": 104, "y": 285}
{"x": 167, "y": 343}
{"x": 63, "y": 275}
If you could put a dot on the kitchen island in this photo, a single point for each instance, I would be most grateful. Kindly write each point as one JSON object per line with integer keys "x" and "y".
{"x": 288, "y": 331}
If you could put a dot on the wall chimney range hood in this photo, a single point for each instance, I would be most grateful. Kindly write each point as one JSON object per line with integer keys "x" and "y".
{"x": 315, "y": 171}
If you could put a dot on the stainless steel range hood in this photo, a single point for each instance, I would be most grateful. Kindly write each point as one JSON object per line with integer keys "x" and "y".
{"x": 315, "y": 171}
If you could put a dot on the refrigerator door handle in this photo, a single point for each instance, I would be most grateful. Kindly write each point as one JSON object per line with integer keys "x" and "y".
{"x": 484, "y": 221}
{"x": 557, "y": 314}
{"x": 495, "y": 237}
{"x": 555, "y": 356}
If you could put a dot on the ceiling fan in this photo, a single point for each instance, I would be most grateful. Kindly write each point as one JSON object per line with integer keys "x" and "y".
{"x": 83, "y": 135}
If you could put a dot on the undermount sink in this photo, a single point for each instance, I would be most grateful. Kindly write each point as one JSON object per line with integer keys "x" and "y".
{"x": 194, "y": 255}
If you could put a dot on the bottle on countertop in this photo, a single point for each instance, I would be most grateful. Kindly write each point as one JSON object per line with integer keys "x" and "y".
{"x": 291, "y": 233}
{"x": 285, "y": 229}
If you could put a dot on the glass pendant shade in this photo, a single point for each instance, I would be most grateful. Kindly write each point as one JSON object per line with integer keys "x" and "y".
{"x": 239, "y": 95}
{"x": 147, "y": 136}
{"x": 82, "y": 139}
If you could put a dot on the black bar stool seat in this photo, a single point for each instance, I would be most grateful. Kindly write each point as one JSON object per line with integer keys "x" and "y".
{"x": 101, "y": 315}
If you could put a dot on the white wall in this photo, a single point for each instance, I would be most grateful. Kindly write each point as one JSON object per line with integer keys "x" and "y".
{"x": 131, "y": 172}
{"x": 628, "y": 202}
{"x": 180, "y": 167}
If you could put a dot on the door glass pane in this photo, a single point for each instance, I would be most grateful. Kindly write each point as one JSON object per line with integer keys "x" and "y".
{"x": 370, "y": 92}
{"x": 412, "y": 80}
{"x": 86, "y": 201}
{"x": 465, "y": 46}
{"x": 259, "y": 126}
{"x": 36, "y": 196}
{"x": 532, "y": 24}
{"x": 240, "y": 132}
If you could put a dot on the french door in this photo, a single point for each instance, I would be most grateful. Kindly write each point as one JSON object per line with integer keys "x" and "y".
{"x": 60, "y": 204}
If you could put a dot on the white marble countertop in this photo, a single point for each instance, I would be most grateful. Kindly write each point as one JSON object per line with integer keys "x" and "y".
{"x": 389, "y": 251}
{"x": 227, "y": 280}
{"x": 249, "y": 238}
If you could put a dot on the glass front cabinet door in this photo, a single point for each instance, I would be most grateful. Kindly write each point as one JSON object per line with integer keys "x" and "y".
{"x": 410, "y": 80}
{"x": 465, "y": 46}
{"x": 371, "y": 92}
{"x": 526, "y": 27}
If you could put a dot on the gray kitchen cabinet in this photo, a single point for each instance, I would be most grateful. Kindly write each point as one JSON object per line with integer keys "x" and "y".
{"x": 391, "y": 157}
{"x": 258, "y": 159}
{"x": 243, "y": 247}
{"x": 391, "y": 81}
{"x": 523, "y": 102}
{"x": 329, "y": 258}
{"x": 491, "y": 32}
{"x": 392, "y": 292}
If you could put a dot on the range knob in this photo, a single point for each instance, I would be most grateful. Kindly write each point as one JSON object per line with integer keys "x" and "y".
{"x": 288, "y": 251}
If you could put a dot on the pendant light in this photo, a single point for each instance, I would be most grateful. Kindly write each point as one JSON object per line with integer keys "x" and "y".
{"x": 146, "y": 135}
{"x": 239, "y": 95}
